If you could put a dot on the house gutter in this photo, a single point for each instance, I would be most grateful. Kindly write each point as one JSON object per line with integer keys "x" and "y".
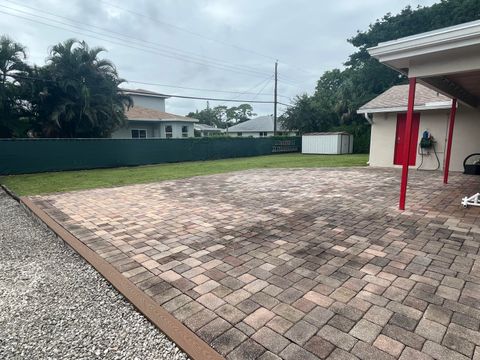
{"x": 368, "y": 117}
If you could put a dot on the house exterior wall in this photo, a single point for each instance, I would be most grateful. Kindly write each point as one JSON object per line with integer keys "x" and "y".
{"x": 149, "y": 102}
{"x": 465, "y": 137}
{"x": 176, "y": 129}
{"x": 126, "y": 132}
{"x": 154, "y": 129}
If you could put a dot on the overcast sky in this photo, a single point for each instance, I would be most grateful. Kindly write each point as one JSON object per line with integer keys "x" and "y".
{"x": 223, "y": 45}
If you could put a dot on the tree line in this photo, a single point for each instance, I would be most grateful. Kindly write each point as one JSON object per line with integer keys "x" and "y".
{"x": 340, "y": 92}
{"x": 223, "y": 116}
{"x": 75, "y": 94}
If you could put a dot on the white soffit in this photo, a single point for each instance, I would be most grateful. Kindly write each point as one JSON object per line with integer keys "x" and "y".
{"x": 398, "y": 53}
{"x": 428, "y": 106}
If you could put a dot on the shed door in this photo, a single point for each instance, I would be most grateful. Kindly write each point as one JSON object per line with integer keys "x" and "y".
{"x": 400, "y": 139}
{"x": 345, "y": 144}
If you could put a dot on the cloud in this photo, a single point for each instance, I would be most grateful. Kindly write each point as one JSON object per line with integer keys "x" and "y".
{"x": 225, "y": 12}
{"x": 208, "y": 44}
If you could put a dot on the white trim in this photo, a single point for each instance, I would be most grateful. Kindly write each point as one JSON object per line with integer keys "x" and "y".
{"x": 429, "y": 106}
{"x": 139, "y": 129}
{"x": 453, "y": 37}
{"x": 164, "y": 120}
{"x": 170, "y": 132}
{"x": 181, "y": 120}
{"x": 133, "y": 92}
{"x": 367, "y": 117}
{"x": 184, "y": 132}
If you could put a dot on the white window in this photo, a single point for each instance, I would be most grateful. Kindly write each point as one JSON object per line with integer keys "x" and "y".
{"x": 262, "y": 134}
{"x": 139, "y": 134}
{"x": 168, "y": 131}
{"x": 184, "y": 131}
{"x": 239, "y": 134}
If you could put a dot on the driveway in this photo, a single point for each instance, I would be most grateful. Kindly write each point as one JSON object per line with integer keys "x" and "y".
{"x": 297, "y": 264}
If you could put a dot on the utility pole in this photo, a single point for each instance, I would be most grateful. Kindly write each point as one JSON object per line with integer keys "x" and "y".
{"x": 275, "y": 101}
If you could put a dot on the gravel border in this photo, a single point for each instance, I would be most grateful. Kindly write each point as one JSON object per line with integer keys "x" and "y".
{"x": 53, "y": 305}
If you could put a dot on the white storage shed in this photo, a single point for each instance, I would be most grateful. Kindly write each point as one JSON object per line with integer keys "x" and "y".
{"x": 327, "y": 143}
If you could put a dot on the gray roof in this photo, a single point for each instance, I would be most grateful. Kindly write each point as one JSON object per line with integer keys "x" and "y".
{"x": 143, "y": 92}
{"x": 205, "y": 127}
{"x": 258, "y": 124}
{"x": 397, "y": 98}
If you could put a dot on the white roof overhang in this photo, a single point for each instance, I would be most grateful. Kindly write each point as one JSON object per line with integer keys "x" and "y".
{"x": 447, "y": 60}
{"x": 429, "y": 106}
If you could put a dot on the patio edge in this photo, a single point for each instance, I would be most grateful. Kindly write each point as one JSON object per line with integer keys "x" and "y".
{"x": 183, "y": 337}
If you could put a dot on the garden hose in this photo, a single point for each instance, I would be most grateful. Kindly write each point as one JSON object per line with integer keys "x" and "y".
{"x": 420, "y": 152}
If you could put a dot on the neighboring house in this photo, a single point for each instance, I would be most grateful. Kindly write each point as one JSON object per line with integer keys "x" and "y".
{"x": 207, "y": 130}
{"x": 387, "y": 116}
{"x": 258, "y": 127}
{"x": 147, "y": 119}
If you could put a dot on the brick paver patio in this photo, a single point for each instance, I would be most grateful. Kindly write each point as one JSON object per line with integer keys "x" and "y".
{"x": 298, "y": 264}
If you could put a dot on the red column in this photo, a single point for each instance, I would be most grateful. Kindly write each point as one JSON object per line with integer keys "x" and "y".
{"x": 408, "y": 136}
{"x": 451, "y": 124}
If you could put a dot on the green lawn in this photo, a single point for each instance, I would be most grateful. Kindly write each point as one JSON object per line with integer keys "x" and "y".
{"x": 42, "y": 183}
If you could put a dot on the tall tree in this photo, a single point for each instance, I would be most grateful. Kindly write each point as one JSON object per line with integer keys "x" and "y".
{"x": 238, "y": 114}
{"x": 79, "y": 94}
{"x": 12, "y": 70}
{"x": 306, "y": 116}
{"x": 223, "y": 116}
{"x": 340, "y": 92}
{"x": 205, "y": 116}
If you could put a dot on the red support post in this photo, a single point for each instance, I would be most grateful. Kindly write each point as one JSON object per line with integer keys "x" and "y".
{"x": 408, "y": 136}
{"x": 451, "y": 124}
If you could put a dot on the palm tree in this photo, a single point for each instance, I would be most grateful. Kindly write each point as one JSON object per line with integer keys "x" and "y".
{"x": 12, "y": 68}
{"x": 12, "y": 57}
{"x": 83, "y": 98}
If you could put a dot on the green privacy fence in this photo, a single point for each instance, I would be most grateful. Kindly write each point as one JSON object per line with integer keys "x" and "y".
{"x": 22, "y": 156}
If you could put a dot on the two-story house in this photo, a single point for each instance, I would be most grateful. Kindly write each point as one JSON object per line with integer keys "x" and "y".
{"x": 147, "y": 118}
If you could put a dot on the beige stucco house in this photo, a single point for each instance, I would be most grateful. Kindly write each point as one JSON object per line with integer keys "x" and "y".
{"x": 387, "y": 112}
{"x": 447, "y": 61}
{"x": 147, "y": 119}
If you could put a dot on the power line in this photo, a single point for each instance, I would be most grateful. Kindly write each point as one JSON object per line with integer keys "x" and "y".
{"x": 169, "y": 54}
{"x": 142, "y": 48}
{"x": 254, "y": 87}
{"x": 260, "y": 92}
{"x": 299, "y": 69}
{"x": 156, "y": 44}
{"x": 202, "y": 89}
{"x": 218, "y": 99}
{"x": 176, "y": 27}
{"x": 288, "y": 81}
{"x": 289, "y": 84}
{"x": 253, "y": 101}
{"x": 159, "y": 51}
{"x": 188, "y": 31}
{"x": 174, "y": 51}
